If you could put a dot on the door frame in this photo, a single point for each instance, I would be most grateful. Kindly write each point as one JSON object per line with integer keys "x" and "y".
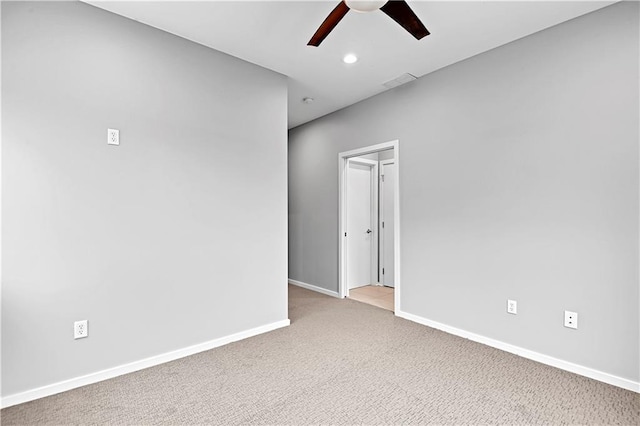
{"x": 373, "y": 184}
{"x": 380, "y": 217}
{"x": 342, "y": 217}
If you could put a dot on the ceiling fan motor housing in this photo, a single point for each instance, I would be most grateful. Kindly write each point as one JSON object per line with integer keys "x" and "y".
{"x": 365, "y": 5}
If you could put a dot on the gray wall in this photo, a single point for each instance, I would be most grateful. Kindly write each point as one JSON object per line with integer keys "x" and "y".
{"x": 518, "y": 179}
{"x": 176, "y": 237}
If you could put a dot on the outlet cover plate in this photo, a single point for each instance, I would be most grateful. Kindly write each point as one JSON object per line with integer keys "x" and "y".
{"x": 512, "y": 307}
{"x": 80, "y": 329}
{"x": 113, "y": 137}
{"x": 571, "y": 319}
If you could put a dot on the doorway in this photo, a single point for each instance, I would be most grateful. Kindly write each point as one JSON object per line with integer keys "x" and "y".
{"x": 369, "y": 255}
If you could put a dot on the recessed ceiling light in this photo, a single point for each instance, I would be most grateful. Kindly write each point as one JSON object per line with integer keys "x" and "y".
{"x": 307, "y": 100}
{"x": 350, "y": 58}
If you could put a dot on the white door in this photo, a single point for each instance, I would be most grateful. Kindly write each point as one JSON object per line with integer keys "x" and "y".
{"x": 387, "y": 184}
{"x": 361, "y": 215}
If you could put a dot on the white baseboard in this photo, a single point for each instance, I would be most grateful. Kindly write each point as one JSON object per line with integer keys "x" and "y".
{"x": 526, "y": 353}
{"x": 110, "y": 373}
{"x": 315, "y": 288}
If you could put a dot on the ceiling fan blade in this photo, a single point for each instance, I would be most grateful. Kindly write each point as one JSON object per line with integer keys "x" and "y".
{"x": 329, "y": 24}
{"x": 399, "y": 11}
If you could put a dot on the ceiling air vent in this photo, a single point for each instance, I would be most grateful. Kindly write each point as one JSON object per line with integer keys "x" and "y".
{"x": 399, "y": 81}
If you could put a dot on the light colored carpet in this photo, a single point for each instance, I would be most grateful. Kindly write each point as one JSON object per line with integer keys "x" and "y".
{"x": 341, "y": 362}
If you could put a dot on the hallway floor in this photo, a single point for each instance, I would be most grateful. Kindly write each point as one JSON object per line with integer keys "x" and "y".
{"x": 375, "y": 295}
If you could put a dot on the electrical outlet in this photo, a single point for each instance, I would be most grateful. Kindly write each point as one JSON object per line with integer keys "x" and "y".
{"x": 570, "y": 319}
{"x": 80, "y": 329}
{"x": 512, "y": 307}
{"x": 113, "y": 137}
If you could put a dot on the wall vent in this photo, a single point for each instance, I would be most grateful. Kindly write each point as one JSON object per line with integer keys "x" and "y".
{"x": 399, "y": 81}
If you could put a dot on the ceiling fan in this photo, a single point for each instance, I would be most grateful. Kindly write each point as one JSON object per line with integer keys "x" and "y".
{"x": 398, "y": 10}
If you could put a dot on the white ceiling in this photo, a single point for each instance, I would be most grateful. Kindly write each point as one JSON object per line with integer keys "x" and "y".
{"x": 274, "y": 34}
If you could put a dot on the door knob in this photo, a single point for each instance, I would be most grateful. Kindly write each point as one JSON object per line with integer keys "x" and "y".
{"x": 368, "y": 231}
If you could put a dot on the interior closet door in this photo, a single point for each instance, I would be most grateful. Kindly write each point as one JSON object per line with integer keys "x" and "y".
{"x": 387, "y": 185}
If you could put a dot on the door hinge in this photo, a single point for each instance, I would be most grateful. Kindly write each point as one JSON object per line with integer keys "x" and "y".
{"x": 382, "y": 177}
{"x": 345, "y": 234}
{"x": 382, "y": 271}
{"x": 383, "y": 224}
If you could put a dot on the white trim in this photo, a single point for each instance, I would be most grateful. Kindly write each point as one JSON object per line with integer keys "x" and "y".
{"x": 315, "y": 288}
{"x": 342, "y": 164}
{"x": 370, "y": 149}
{"x": 396, "y": 230}
{"x": 526, "y": 353}
{"x": 1, "y": 198}
{"x": 364, "y": 161}
{"x": 110, "y": 373}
